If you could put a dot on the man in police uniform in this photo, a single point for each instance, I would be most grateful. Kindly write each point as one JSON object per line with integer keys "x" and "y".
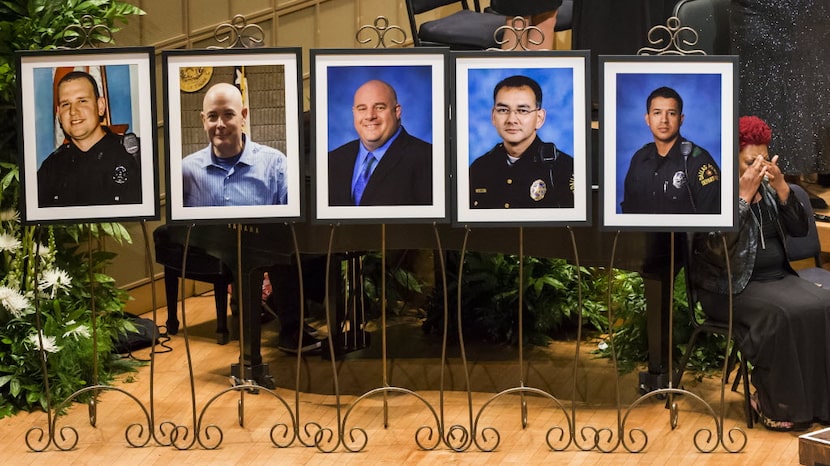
{"x": 94, "y": 166}
{"x": 671, "y": 175}
{"x": 521, "y": 171}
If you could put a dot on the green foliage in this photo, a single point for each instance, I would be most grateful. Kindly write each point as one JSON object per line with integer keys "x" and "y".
{"x": 489, "y": 307}
{"x": 631, "y": 337}
{"x": 40, "y": 24}
{"x": 50, "y": 284}
{"x": 550, "y": 297}
{"x": 401, "y": 283}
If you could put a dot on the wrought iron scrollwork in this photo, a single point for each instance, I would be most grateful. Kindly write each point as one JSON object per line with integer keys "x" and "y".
{"x": 238, "y": 34}
{"x": 672, "y": 39}
{"x": 380, "y": 28}
{"x": 87, "y": 33}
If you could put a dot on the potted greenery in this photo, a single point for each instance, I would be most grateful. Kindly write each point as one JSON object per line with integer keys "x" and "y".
{"x": 48, "y": 279}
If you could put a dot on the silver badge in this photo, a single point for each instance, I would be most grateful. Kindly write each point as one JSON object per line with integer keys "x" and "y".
{"x": 119, "y": 175}
{"x": 679, "y": 179}
{"x": 538, "y": 190}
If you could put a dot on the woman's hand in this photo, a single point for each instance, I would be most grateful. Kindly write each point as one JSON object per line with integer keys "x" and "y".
{"x": 777, "y": 181}
{"x": 751, "y": 178}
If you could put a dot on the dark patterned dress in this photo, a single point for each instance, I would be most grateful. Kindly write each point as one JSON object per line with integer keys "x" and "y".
{"x": 784, "y": 59}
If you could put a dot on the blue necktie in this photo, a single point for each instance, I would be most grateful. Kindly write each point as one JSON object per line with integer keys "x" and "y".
{"x": 363, "y": 179}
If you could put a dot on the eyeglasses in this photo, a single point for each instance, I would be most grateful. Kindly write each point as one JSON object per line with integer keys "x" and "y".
{"x": 521, "y": 111}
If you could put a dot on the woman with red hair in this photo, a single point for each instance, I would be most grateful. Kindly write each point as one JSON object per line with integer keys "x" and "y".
{"x": 781, "y": 320}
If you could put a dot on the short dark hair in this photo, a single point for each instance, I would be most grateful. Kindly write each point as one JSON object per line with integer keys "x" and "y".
{"x": 72, "y": 75}
{"x": 666, "y": 93}
{"x": 520, "y": 81}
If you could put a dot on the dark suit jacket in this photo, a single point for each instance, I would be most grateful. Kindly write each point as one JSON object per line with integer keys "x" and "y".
{"x": 403, "y": 176}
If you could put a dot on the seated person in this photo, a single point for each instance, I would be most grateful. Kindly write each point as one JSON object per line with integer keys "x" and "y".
{"x": 782, "y": 321}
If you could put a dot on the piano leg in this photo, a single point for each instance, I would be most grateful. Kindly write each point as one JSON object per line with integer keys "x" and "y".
{"x": 171, "y": 292}
{"x": 252, "y": 367}
{"x": 657, "y": 294}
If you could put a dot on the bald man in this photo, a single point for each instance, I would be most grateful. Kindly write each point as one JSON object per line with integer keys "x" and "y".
{"x": 231, "y": 170}
{"x": 385, "y": 165}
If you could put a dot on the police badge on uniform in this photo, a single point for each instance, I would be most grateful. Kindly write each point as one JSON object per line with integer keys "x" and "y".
{"x": 538, "y": 190}
{"x": 119, "y": 174}
{"x": 679, "y": 179}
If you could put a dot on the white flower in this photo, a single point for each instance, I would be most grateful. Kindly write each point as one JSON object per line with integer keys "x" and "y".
{"x": 49, "y": 343}
{"x": 8, "y": 242}
{"x": 13, "y": 301}
{"x": 43, "y": 250}
{"x": 79, "y": 331}
{"x": 9, "y": 215}
{"x": 53, "y": 280}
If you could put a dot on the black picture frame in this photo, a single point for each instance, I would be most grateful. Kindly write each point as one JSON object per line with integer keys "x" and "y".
{"x": 272, "y": 94}
{"x": 563, "y": 78}
{"x": 123, "y": 187}
{"x": 708, "y": 86}
{"x": 419, "y": 79}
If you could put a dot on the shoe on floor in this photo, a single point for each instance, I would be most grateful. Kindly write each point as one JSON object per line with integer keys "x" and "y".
{"x": 288, "y": 343}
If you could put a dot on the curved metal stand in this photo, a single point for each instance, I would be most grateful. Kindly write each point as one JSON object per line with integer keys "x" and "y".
{"x": 585, "y": 430}
{"x": 238, "y": 34}
{"x": 457, "y": 437}
{"x": 86, "y": 34}
{"x": 311, "y": 434}
{"x": 522, "y": 32}
{"x": 671, "y": 39}
{"x": 521, "y": 389}
{"x": 636, "y": 439}
{"x": 380, "y": 28}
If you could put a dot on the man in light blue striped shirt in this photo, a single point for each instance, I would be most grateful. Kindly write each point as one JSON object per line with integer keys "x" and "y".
{"x": 232, "y": 170}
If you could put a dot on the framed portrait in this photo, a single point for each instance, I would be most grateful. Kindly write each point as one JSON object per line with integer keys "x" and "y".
{"x": 380, "y": 135}
{"x": 87, "y": 132}
{"x": 522, "y": 137}
{"x": 234, "y": 133}
{"x": 668, "y": 129}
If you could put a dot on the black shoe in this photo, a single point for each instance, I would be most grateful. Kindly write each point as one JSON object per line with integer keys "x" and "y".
{"x": 288, "y": 343}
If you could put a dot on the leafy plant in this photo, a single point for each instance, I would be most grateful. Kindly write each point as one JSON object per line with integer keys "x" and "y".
{"x": 50, "y": 283}
{"x": 489, "y": 307}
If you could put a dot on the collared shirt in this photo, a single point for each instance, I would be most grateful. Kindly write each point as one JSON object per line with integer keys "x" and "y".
{"x": 257, "y": 178}
{"x": 363, "y": 152}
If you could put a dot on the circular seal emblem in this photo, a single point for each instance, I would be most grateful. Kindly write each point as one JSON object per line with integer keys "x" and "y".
{"x": 119, "y": 175}
{"x": 193, "y": 78}
{"x": 538, "y": 190}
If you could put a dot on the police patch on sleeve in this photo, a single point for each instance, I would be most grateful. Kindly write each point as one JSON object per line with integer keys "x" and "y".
{"x": 707, "y": 174}
{"x": 538, "y": 189}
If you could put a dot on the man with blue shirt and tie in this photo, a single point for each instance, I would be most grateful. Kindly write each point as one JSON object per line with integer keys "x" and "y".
{"x": 232, "y": 170}
{"x": 385, "y": 165}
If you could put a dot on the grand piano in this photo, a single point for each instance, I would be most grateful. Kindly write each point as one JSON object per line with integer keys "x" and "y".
{"x": 264, "y": 245}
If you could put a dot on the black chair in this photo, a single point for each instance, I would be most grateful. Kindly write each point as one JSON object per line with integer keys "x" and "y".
{"x": 709, "y": 325}
{"x": 710, "y": 18}
{"x": 464, "y": 29}
{"x": 808, "y": 247}
{"x": 564, "y": 18}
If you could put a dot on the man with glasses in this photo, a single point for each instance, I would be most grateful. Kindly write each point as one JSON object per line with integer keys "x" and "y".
{"x": 521, "y": 171}
{"x": 385, "y": 165}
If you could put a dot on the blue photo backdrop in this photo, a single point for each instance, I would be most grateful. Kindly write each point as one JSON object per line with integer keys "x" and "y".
{"x": 413, "y": 84}
{"x": 120, "y": 107}
{"x": 702, "y": 106}
{"x": 557, "y": 100}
